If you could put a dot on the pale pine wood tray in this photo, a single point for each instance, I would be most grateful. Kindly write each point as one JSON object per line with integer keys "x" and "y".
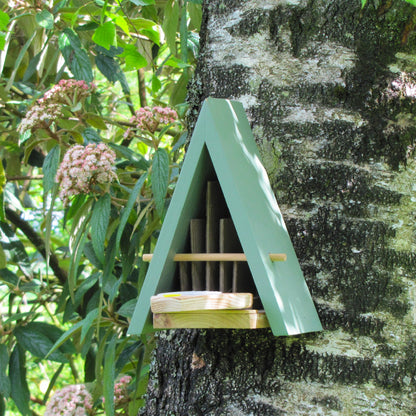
{"x": 237, "y": 319}
{"x": 199, "y": 300}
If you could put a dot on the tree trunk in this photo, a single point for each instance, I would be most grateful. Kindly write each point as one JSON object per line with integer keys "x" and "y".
{"x": 329, "y": 92}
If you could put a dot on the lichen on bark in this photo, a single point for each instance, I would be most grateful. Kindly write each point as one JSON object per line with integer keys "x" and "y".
{"x": 328, "y": 91}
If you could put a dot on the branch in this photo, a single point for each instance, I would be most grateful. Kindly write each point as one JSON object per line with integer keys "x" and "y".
{"x": 38, "y": 242}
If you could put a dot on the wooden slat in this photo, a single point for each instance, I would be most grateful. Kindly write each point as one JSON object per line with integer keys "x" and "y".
{"x": 239, "y": 319}
{"x": 184, "y": 276}
{"x": 195, "y": 301}
{"x": 229, "y": 242}
{"x": 216, "y": 257}
{"x": 197, "y": 233}
{"x": 214, "y": 205}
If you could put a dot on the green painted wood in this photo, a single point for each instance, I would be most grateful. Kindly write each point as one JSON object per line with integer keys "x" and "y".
{"x": 223, "y": 137}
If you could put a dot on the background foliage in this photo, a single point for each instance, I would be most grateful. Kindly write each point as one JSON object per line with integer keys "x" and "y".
{"x": 69, "y": 276}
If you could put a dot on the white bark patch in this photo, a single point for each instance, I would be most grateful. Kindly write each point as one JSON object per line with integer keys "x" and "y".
{"x": 318, "y": 62}
{"x": 317, "y": 114}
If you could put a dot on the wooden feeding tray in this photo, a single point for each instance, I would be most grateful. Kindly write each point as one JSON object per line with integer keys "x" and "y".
{"x": 221, "y": 225}
{"x": 206, "y": 309}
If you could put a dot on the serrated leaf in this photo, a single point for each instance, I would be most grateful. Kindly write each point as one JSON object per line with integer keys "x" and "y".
{"x": 4, "y": 380}
{"x": 75, "y": 56}
{"x": 99, "y": 222}
{"x": 50, "y": 167}
{"x": 133, "y": 58}
{"x": 45, "y": 19}
{"x": 160, "y": 179}
{"x": 122, "y": 23}
{"x": 108, "y": 66}
{"x": 109, "y": 376}
{"x": 19, "y": 391}
{"x": 170, "y": 24}
{"x": 105, "y": 35}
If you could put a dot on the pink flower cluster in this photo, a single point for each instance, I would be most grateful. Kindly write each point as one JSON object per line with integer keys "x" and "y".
{"x": 149, "y": 119}
{"x": 40, "y": 116}
{"x": 121, "y": 395}
{"x": 48, "y": 108}
{"x": 73, "y": 400}
{"x": 67, "y": 91}
{"x": 84, "y": 167}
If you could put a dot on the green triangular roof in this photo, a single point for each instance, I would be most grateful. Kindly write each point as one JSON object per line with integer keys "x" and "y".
{"x": 223, "y": 139}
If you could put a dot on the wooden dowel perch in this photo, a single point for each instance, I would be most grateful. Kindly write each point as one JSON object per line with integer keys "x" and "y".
{"x": 216, "y": 257}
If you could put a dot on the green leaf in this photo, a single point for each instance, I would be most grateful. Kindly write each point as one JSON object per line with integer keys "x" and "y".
{"x": 156, "y": 84}
{"x": 160, "y": 179}
{"x": 134, "y": 158}
{"x": 19, "y": 391}
{"x": 53, "y": 333}
{"x": 14, "y": 248}
{"x": 2, "y": 406}
{"x": 3, "y": 259}
{"x": 88, "y": 322}
{"x": 412, "y": 2}
{"x": 75, "y": 56}
{"x": 52, "y": 383}
{"x": 4, "y": 380}
{"x": 133, "y": 58}
{"x": 65, "y": 337}
{"x": 127, "y": 309}
{"x": 114, "y": 243}
{"x": 50, "y": 167}
{"x": 195, "y": 14}
{"x": 109, "y": 376}
{"x": 105, "y": 35}
{"x": 85, "y": 286}
{"x": 2, "y": 40}
{"x": 95, "y": 121}
{"x": 170, "y": 24}
{"x": 183, "y": 31}
{"x": 4, "y": 20}
{"x": 99, "y": 222}
{"x": 45, "y": 19}
{"x": 178, "y": 94}
{"x": 143, "y": 2}
{"x": 363, "y": 3}
{"x": 110, "y": 68}
{"x": 122, "y": 23}
{"x": 91, "y": 136}
{"x": 37, "y": 343}
{"x": 76, "y": 243}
